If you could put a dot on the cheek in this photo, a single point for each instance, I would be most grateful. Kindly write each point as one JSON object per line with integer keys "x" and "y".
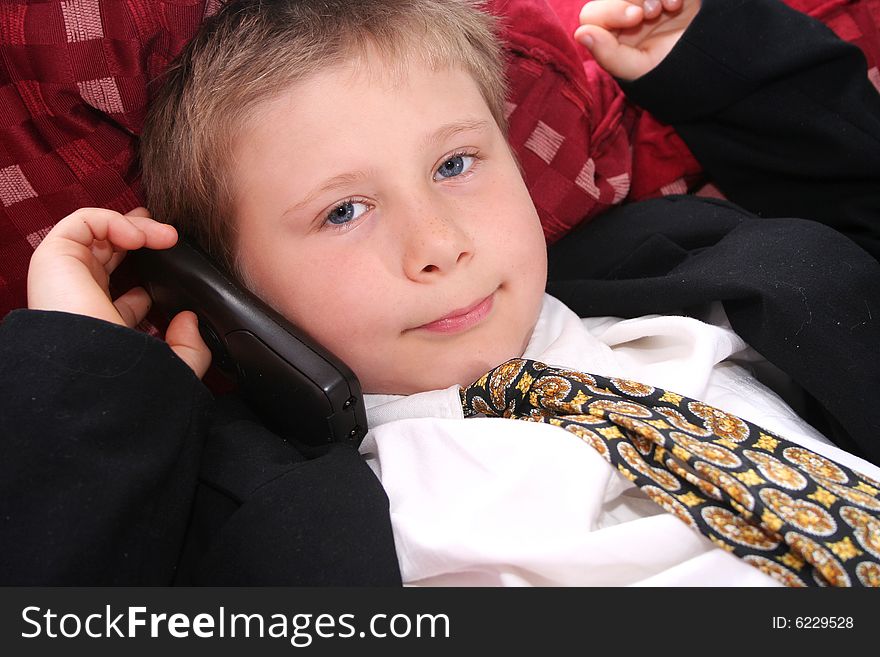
{"x": 308, "y": 296}
{"x": 508, "y": 203}
{"x": 514, "y": 227}
{"x": 288, "y": 283}
{"x": 524, "y": 246}
{"x": 325, "y": 297}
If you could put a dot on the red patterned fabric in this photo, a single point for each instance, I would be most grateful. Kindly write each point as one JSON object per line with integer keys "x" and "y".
{"x": 73, "y": 91}
{"x": 623, "y": 139}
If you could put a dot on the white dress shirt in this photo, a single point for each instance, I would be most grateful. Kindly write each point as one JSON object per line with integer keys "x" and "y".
{"x": 498, "y": 502}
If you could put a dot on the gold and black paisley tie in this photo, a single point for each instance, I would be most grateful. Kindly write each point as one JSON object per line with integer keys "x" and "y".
{"x": 798, "y": 516}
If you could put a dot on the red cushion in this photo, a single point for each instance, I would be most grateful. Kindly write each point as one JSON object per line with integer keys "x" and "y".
{"x": 73, "y": 92}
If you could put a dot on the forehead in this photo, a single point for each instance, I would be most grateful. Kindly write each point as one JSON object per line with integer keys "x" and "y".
{"x": 380, "y": 73}
{"x": 364, "y": 99}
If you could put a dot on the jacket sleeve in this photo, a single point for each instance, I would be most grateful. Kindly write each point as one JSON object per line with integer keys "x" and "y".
{"x": 778, "y": 110}
{"x": 272, "y": 512}
{"x": 100, "y": 435}
{"x": 117, "y": 466}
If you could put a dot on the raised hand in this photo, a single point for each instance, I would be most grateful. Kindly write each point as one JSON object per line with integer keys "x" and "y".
{"x": 628, "y": 38}
{"x": 70, "y": 271}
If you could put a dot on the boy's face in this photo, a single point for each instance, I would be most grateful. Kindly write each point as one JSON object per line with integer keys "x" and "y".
{"x": 384, "y": 214}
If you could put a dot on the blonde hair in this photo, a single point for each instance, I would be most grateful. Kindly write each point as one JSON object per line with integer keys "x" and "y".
{"x": 253, "y": 50}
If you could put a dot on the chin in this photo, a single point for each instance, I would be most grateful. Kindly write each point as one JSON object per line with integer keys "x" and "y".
{"x": 435, "y": 370}
{"x": 462, "y": 376}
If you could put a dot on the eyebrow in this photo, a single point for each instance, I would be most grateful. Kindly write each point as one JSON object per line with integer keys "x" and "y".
{"x": 450, "y": 130}
{"x": 442, "y": 134}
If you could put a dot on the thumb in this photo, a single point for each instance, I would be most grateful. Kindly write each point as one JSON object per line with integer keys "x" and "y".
{"x": 185, "y": 340}
{"x": 619, "y": 60}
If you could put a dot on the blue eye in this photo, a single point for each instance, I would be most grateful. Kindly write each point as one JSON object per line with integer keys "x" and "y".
{"x": 454, "y": 166}
{"x": 346, "y": 212}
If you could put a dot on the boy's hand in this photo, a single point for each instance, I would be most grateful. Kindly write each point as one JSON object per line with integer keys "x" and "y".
{"x": 70, "y": 271}
{"x": 630, "y": 37}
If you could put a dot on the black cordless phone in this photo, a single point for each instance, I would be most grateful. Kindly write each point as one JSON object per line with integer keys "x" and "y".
{"x": 297, "y": 386}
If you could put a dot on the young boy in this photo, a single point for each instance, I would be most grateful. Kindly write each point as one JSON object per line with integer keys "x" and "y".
{"x": 364, "y": 188}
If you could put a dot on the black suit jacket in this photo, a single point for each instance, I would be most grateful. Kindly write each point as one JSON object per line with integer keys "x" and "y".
{"x": 783, "y": 117}
{"x": 118, "y": 467}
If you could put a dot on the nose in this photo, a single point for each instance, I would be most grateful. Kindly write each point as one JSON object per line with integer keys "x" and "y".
{"x": 435, "y": 244}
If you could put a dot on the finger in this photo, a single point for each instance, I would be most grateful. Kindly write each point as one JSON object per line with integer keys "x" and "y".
{"x": 158, "y": 235}
{"x": 115, "y": 260}
{"x": 652, "y": 8}
{"x": 612, "y": 14}
{"x": 88, "y": 225}
{"x": 102, "y": 251}
{"x": 620, "y": 61}
{"x": 133, "y": 306}
{"x": 139, "y": 211}
{"x": 184, "y": 339}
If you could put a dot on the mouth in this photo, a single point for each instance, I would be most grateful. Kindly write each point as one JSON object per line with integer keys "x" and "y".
{"x": 461, "y": 319}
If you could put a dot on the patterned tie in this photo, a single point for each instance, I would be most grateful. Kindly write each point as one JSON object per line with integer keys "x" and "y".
{"x": 797, "y": 516}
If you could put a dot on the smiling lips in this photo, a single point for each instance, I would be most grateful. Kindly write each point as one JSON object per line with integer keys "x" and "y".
{"x": 462, "y": 318}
